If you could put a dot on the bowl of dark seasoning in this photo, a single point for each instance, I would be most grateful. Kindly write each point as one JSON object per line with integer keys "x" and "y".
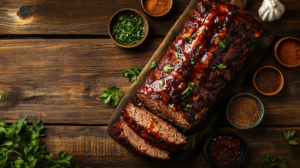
{"x": 268, "y": 80}
{"x": 245, "y": 111}
{"x": 225, "y": 149}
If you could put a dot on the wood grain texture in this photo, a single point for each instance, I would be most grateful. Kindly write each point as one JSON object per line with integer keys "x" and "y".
{"x": 92, "y": 147}
{"x": 90, "y": 17}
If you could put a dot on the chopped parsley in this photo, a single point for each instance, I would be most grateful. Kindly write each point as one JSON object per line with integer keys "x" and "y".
{"x": 188, "y": 90}
{"x": 219, "y": 27}
{"x": 199, "y": 77}
{"x": 196, "y": 117}
{"x": 167, "y": 69}
{"x": 188, "y": 106}
{"x": 222, "y": 43}
{"x": 241, "y": 32}
{"x": 224, "y": 25}
{"x": 192, "y": 62}
{"x": 183, "y": 59}
{"x": 221, "y": 66}
{"x": 177, "y": 55}
{"x": 161, "y": 83}
{"x": 170, "y": 105}
{"x": 190, "y": 38}
{"x": 153, "y": 64}
{"x": 128, "y": 29}
{"x": 161, "y": 139}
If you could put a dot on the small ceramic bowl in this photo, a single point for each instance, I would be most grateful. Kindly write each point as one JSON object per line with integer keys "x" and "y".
{"x": 278, "y": 44}
{"x": 143, "y": 1}
{"x": 280, "y": 86}
{"x": 239, "y": 160}
{"x": 115, "y": 17}
{"x": 261, "y": 110}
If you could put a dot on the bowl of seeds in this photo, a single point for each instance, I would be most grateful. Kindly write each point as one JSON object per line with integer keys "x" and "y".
{"x": 245, "y": 111}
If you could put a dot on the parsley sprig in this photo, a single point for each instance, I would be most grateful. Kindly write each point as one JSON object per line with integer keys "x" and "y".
{"x": 188, "y": 90}
{"x": 288, "y": 135}
{"x": 221, "y": 66}
{"x": 190, "y": 141}
{"x": 111, "y": 93}
{"x": 167, "y": 69}
{"x": 132, "y": 73}
{"x": 255, "y": 166}
{"x": 273, "y": 161}
{"x": 22, "y": 148}
{"x": 188, "y": 106}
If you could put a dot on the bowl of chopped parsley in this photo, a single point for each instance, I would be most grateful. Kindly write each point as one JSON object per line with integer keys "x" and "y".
{"x": 128, "y": 28}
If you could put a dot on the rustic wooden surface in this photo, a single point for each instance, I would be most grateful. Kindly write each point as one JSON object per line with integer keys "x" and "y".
{"x": 56, "y": 57}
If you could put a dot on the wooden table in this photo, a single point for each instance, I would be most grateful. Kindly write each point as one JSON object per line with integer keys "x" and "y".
{"x": 56, "y": 57}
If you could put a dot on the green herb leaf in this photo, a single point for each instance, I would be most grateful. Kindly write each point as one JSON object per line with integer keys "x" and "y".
{"x": 219, "y": 27}
{"x": 192, "y": 62}
{"x": 128, "y": 29}
{"x": 221, "y": 66}
{"x": 183, "y": 59}
{"x": 188, "y": 90}
{"x": 111, "y": 93}
{"x": 188, "y": 106}
{"x": 153, "y": 64}
{"x": 255, "y": 166}
{"x": 196, "y": 117}
{"x": 161, "y": 83}
{"x": 177, "y": 55}
{"x": 167, "y": 69}
{"x": 132, "y": 73}
{"x": 293, "y": 142}
{"x": 170, "y": 105}
{"x": 289, "y": 134}
{"x": 190, "y": 141}
{"x": 0, "y": 95}
{"x": 273, "y": 161}
{"x": 224, "y": 25}
{"x": 222, "y": 43}
{"x": 199, "y": 77}
{"x": 190, "y": 38}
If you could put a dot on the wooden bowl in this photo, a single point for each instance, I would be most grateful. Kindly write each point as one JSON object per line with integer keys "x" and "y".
{"x": 115, "y": 17}
{"x": 142, "y": 2}
{"x": 280, "y": 86}
{"x": 277, "y": 45}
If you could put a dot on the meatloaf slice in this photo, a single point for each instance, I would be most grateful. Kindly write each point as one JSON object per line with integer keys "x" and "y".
{"x": 129, "y": 139}
{"x": 152, "y": 128}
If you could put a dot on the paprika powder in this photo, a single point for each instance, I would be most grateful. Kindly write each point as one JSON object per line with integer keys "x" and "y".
{"x": 289, "y": 52}
{"x": 157, "y": 7}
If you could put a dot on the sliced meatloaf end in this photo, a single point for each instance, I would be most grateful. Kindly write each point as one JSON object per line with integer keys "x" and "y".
{"x": 178, "y": 119}
{"x": 152, "y": 128}
{"x": 129, "y": 139}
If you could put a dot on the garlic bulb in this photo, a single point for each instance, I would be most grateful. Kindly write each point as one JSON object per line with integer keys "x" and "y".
{"x": 271, "y": 10}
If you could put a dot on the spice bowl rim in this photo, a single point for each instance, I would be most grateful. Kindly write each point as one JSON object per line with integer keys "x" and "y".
{"x": 119, "y": 13}
{"x": 261, "y": 111}
{"x": 280, "y": 86}
{"x": 146, "y": 11}
{"x": 244, "y": 149}
{"x": 275, "y": 50}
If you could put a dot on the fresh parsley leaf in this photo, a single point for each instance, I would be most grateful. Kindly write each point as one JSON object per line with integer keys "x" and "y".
{"x": 224, "y": 25}
{"x": 167, "y": 69}
{"x": 190, "y": 141}
{"x": 188, "y": 106}
{"x": 289, "y": 134}
{"x": 192, "y": 62}
{"x": 111, "y": 93}
{"x": 170, "y": 105}
{"x": 199, "y": 77}
{"x": 161, "y": 83}
{"x": 27, "y": 151}
{"x": 219, "y": 27}
{"x": 128, "y": 29}
{"x": 177, "y": 55}
{"x": 196, "y": 117}
{"x": 222, "y": 43}
{"x": 273, "y": 161}
{"x": 188, "y": 90}
{"x": 190, "y": 38}
{"x": 221, "y": 66}
{"x": 153, "y": 64}
{"x": 255, "y": 166}
{"x": 293, "y": 142}
{"x": 183, "y": 59}
{"x": 132, "y": 73}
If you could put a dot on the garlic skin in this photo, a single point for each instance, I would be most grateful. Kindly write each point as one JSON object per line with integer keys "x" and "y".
{"x": 271, "y": 10}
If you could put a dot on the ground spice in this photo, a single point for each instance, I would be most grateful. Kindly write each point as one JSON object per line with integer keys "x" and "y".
{"x": 268, "y": 80}
{"x": 224, "y": 150}
{"x": 157, "y": 7}
{"x": 243, "y": 111}
{"x": 289, "y": 52}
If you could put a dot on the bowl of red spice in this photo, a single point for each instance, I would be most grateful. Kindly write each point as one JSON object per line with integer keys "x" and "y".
{"x": 157, "y": 8}
{"x": 225, "y": 149}
{"x": 245, "y": 111}
{"x": 287, "y": 52}
{"x": 268, "y": 80}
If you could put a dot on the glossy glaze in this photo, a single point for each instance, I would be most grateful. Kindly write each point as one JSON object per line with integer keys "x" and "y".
{"x": 210, "y": 22}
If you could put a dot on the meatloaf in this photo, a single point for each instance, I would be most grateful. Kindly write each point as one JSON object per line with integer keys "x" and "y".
{"x": 152, "y": 128}
{"x": 213, "y": 46}
{"x": 128, "y": 138}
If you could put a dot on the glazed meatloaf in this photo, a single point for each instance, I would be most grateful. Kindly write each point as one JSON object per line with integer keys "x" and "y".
{"x": 152, "y": 128}
{"x": 128, "y": 138}
{"x": 213, "y": 46}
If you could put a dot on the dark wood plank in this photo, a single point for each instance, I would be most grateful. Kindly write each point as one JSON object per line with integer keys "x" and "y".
{"x": 90, "y": 17}
{"x": 92, "y": 147}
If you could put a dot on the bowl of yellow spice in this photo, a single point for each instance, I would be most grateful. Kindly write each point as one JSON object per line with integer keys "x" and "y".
{"x": 245, "y": 111}
{"x": 157, "y": 8}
